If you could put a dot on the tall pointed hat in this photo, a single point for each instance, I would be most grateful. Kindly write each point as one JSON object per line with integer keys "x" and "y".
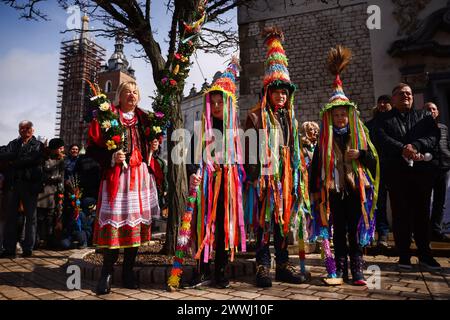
{"x": 231, "y": 169}
{"x": 226, "y": 83}
{"x": 338, "y": 60}
{"x": 276, "y": 64}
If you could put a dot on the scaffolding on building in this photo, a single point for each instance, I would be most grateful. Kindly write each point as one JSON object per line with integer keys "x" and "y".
{"x": 79, "y": 59}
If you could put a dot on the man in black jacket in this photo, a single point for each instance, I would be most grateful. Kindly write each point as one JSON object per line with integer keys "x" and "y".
{"x": 405, "y": 135}
{"x": 25, "y": 155}
{"x": 442, "y": 179}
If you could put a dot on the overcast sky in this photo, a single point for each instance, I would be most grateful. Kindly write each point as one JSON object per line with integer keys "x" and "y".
{"x": 29, "y": 59}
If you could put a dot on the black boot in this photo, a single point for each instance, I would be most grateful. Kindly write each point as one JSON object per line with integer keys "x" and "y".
{"x": 263, "y": 279}
{"x": 128, "y": 277}
{"x": 110, "y": 257}
{"x": 342, "y": 267}
{"x": 357, "y": 268}
{"x": 202, "y": 275}
{"x": 285, "y": 272}
{"x": 221, "y": 280}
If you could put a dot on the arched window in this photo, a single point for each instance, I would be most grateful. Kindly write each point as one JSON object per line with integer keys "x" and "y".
{"x": 108, "y": 86}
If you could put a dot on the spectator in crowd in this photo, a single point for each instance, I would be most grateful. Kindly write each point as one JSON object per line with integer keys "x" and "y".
{"x": 382, "y": 225}
{"x": 49, "y": 209}
{"x": 404, "y": 136}
{"x": 87, "y": 171}
{"x": 442, "y": 179}
{"x": 309, "y": 132}
{"x": 71, "y": 160}
{"x": 78, "y": 230}
{"x": 25, "y": 155}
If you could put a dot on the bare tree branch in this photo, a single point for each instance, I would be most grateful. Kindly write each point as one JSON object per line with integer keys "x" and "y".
{"x": 29, "y": 10}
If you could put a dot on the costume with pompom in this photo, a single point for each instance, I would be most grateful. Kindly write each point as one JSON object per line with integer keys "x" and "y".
{"x": 214, "y": 218}
{"x": 280, "y": 197}
{"x": 333, "y": 175}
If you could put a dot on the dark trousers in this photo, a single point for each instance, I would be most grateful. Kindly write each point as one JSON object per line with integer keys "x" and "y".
{"x": 439, "y": 194}
{"x": 410, "y": 194}
{"x": 45, "y": 225}
{"x": 221, "y": 256}
{"x": 382, "y": 224}
{"x": 346, "y": 213}
{"x": 110, "y": 257}
{"x": 262, "y": 247}
{"x": 26, "y": 193}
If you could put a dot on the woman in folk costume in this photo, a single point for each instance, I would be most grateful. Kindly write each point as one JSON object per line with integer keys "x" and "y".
{"x": 277, "y": 197}
{"x": 127, "y": 196}
{"x": 344, "y": 181}
{"x": 219, "y": 222}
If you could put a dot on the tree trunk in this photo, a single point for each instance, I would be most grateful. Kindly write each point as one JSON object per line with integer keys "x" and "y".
{"x": 177, "y": 186}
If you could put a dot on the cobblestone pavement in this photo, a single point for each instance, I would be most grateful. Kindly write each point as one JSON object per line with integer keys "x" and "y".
{"x": 44, "y": 277}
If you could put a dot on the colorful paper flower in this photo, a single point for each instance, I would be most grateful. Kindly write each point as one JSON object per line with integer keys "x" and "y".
{"x": 114, "y": 123}
{"x": 104, "y": 106}
{"x": 173, "y": 82}
{"x": 116, "y": 139}
{"x": 111, "y": 145}
{"x": 147, "y": 131}
{"x": 159, "y": 115}
{"x": 106, "y": 125}
{"x": 176, "y": 69}
{"x": 157, "y": 129}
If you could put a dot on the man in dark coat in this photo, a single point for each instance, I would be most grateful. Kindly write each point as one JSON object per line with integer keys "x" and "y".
{"x": 405, "y": 135}
{"x": 25, "y": 155}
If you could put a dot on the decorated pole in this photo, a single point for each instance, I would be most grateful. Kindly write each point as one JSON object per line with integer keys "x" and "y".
{"x": 183, "y": 240}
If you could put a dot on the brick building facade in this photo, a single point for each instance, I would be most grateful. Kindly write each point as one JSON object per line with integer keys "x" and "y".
{"x": 311, "y": 27}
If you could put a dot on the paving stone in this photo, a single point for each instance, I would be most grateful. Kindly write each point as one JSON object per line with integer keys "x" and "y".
{"x": 302, "y": 297}
{"x": 90, "y": 297}
{"x": 144, "y": 296}
{"x": 36, "y": 291}
{"x": 114, "y": 296}
{"x": 416, "y": 295}
{"x": 386, "y": 297}
{"x": 267, "y": 297}
{"x": 358, "y": 298}
{"x": 276, "y": 293}
{"x": 14, "y": 293}
{"x": 29, "y": 297}
{"x": 351, "y": 292}
{"x": 172, "y": 295}
{"x": 194, "y": 292}
{"x": 218, "y": 296}
{"x": 301, "y": 291}
{"x": 51, "y": 296}
{"x": 332, "y": 295}
{"x": 402, "y": 289}
{"x": 245, "y": 295}
{"x": 195, "y": 298}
